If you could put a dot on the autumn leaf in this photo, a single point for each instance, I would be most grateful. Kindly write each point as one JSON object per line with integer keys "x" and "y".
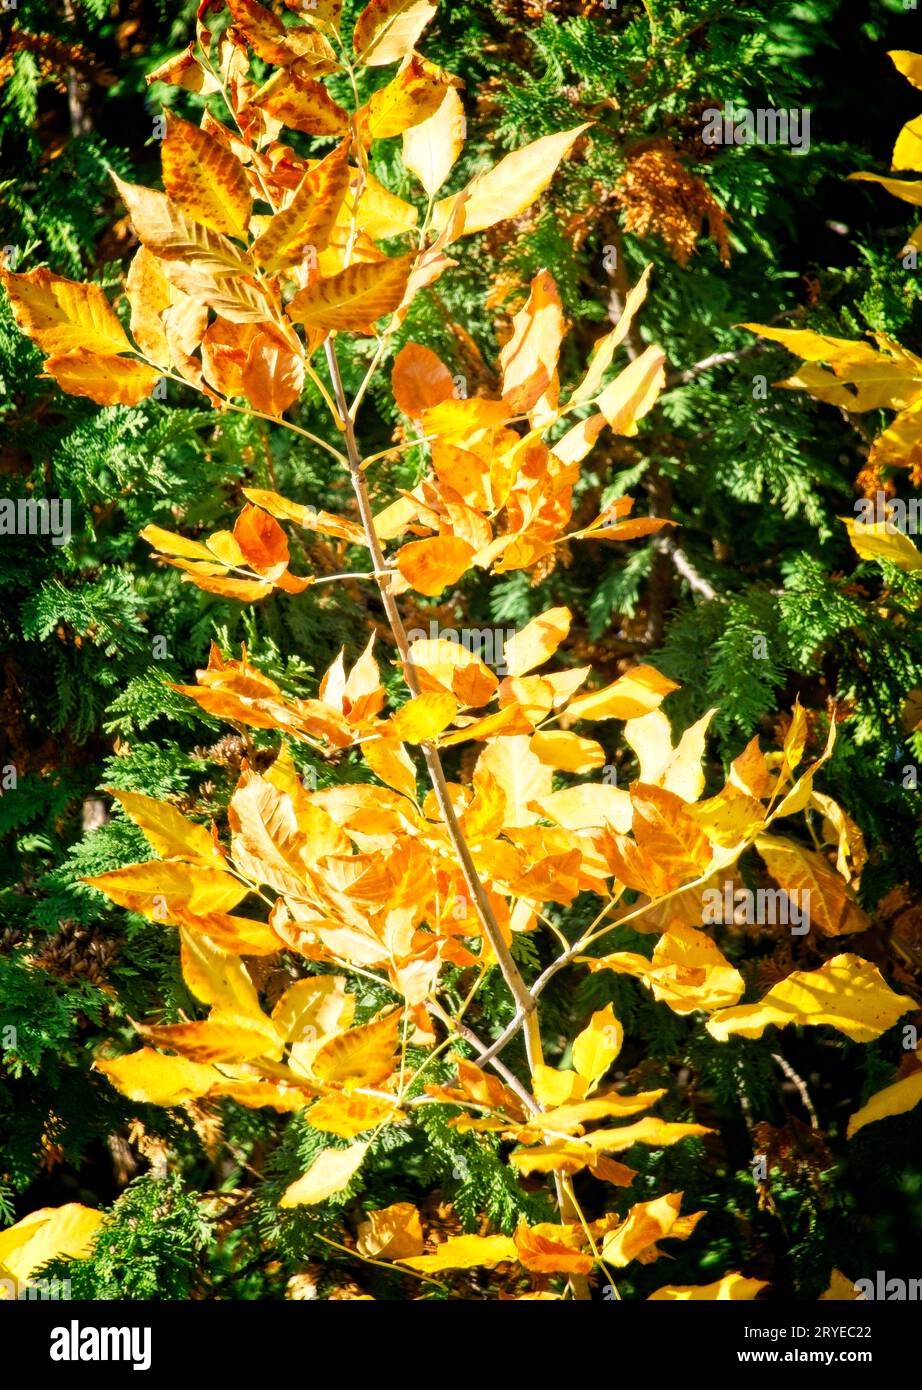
{"x": 510, "y": 186}
{"x": 882, "y": 540}
{"x": 104, "y": 379}
{"x": 392, "y": 1233}
{"x": 331, "y": 1171}
{"x": 645, "y": 1224}
{"x": 733, "y": 1287}
{"x": 846, "y": 993}
{"x": 205, "y": 178}
{"x": 157, "y": 889}
{"x": 355, "y": 298}
{"x": 350, "y": 1115}
{"x": 362, "y": 1057}
{"x": 63, "y": 316}
{"x": 688, "y": 971}
{"x": 529, "y": 359}
{"x": 431, "y": 148}
{"x": 152, "y": 1078}
{"x": 629, "y": 697}
{"x": 415, "y": 94}
{"x": 419, "y": 379}
{"x": 824, "y": 895}
{"x": 597, "y": 1046}
{"x": 387, "y": 30}
{"x": 429, "y": 566}
{"x": 308, "y": 219}
{"x": 168, "y": 831}
{"x": 897, "y": 1099}
{"x": 424, "y": 718}
{"x": 302, "y": 103}
{"x": 50, "y": 1233}
{"x": 465, "y": 1252}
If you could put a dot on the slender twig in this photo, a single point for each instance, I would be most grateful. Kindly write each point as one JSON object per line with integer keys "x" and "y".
{"x": 491, "y": 928}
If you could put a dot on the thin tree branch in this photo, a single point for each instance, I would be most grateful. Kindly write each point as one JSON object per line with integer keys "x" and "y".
{"x": 491, "y": 928}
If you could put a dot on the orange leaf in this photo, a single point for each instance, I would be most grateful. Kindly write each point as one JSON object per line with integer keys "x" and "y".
{"x": 203, "y": 176}
{"x": 105, "y": 380}
{"x": 419, "y": 379}
{"x": 301, "y": 103}
{"x": 430, "y": 566}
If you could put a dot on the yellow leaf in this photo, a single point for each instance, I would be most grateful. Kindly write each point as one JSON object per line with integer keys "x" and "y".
{"x": 604, "y": 351}
{"x": 633, "y": 393}
{"x": 687, "y": 972}
{"x": 325, "y": 14}
{"x": 522, "y": 777}
{"x": 63, "y": 315}
{"x": 173, "y": 235}
{"x": 732, "y": 1287}
{"x": 148, "y": 292}
{"x": 301, "y": 103}
{"x": 677, "y": 769}
{"x": 846, "y": 993}
{"x": 730, "y": 818}
{"x": 529, "y": 358}
{"x": 215, "y": 1040}
{"x": 387, "y": 30}
{"x": 429, "y": 566}
{"x": 394, "y": 1233}
{"x": 510, "y": 186}
{"x": 203, "y": 176}
{"x": 444, "y": 665}
{"x": 310, "y": 1010}
{"x": 567, "y": 1118}
{"x": 381, "y": 214}
{"x": 331, "y": 1171}
{"x": 592, "y": 805}
{"x": 567, "y": 752}
{"x": 105, "y": 380}
{"x": 155, "y": 1079}
{"x": 644, "y": 1225}
{"x": 909, "y": 64}
{"x": 362, "y": 1057}
{"x": 51, "y": 1233}
{"x": 413, "y": 96}
{"x": 632, "y": 695}
{"x": 389, "y": 760}
{"x": 542, "y": 1254}
{"x": 597, "y": 1046}
{"x": 424, "y": 718}
{"x": 308, "y": 219}
{"x": 465, "y": 1252}
{"x": 903, "y": 1095}
{"x": 168, "y": 831}
{"x": 355, "y": 298}
{"x": 909, "y": 190}
{"x": 553, "y": 1088}
{"x": 160, "y": 887}
{"x": 536, "y": 641}
{"x": 217, "y": 977}
{"x": 431, "y": 149}
{"x": 268, "y": 845}
{"x": 276, "y": 44}
{"x": 824, "y": 897}
{"x": 882, "y": 540}
{"x": 841, "y": 1289}
{"x": 348, "y": 1115}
